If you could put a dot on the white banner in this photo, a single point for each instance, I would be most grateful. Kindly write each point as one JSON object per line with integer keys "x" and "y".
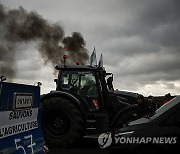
{"x": 14, "y": 122}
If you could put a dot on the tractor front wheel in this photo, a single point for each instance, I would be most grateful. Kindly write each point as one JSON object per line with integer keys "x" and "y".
{"x": 62, "y": 122}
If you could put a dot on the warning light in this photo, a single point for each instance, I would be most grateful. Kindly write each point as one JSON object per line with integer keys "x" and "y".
{"x": 64, "y": 56}
{"x": 95, "y": 103}
{"x": 77, "y": 63}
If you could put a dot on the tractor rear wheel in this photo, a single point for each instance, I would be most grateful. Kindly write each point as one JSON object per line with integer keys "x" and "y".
{"x": 62, "y": 122}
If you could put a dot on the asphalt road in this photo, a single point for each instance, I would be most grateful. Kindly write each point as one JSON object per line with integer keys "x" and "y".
{"x": 85, "y": 146}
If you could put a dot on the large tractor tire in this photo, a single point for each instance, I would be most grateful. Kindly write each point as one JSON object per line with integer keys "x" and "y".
{"x": 62, "y": 122}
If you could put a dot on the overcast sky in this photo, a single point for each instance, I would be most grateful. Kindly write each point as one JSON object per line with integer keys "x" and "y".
{"x": 139, "y": 40}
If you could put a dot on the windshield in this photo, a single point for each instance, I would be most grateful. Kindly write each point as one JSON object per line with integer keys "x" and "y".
{"x": 83, "y": 84}
{"x": 166, "y": 107}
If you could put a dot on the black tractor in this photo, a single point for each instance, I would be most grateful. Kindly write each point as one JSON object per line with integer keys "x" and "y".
{"x": 84, "y": 103}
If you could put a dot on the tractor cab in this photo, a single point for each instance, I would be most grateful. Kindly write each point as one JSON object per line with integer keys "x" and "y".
{"x": 82, "y": 82}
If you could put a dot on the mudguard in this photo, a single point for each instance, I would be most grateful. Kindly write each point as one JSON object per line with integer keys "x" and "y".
{"x": 75, "y": 100}
{"x": 20, "y": 119}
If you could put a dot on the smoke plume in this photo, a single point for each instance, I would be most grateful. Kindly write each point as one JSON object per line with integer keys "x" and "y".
{"x": 18, "y": 26}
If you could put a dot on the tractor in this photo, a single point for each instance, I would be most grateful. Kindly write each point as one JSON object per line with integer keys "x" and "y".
{"x": 82, "y": 104}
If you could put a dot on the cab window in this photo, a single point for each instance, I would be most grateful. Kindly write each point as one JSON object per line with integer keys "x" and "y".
{"x": 82, "y": 84}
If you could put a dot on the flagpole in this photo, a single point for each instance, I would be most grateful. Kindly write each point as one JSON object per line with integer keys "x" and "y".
{"x": 93, "y": 60}
{"x": 100, "y": 64}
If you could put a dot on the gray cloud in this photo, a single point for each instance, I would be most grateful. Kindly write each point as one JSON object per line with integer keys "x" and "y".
{"x": 139, "y": 39}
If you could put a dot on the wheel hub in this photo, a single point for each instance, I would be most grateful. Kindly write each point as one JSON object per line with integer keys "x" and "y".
{"x": 58, "y": 123}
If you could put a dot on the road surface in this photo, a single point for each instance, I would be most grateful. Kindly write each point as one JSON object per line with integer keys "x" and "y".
{"x": 88, "y": 145}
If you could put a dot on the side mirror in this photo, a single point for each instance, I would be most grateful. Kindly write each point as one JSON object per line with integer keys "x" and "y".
{"x": 110, "y": 84}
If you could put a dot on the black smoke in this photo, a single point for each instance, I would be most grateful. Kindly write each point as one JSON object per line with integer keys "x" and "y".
{"x": 18, "y": 26}
{"x": 76, "y": 43}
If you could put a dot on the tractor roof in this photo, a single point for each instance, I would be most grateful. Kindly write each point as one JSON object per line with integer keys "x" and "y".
{"x": 71, "y": 67}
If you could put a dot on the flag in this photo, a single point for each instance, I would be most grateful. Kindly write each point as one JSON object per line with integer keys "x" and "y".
{"x": 93, "y": 60}
{"x": 101, "y": 61}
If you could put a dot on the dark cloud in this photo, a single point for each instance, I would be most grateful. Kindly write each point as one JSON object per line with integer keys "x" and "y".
{"x": 19, "y": 26}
